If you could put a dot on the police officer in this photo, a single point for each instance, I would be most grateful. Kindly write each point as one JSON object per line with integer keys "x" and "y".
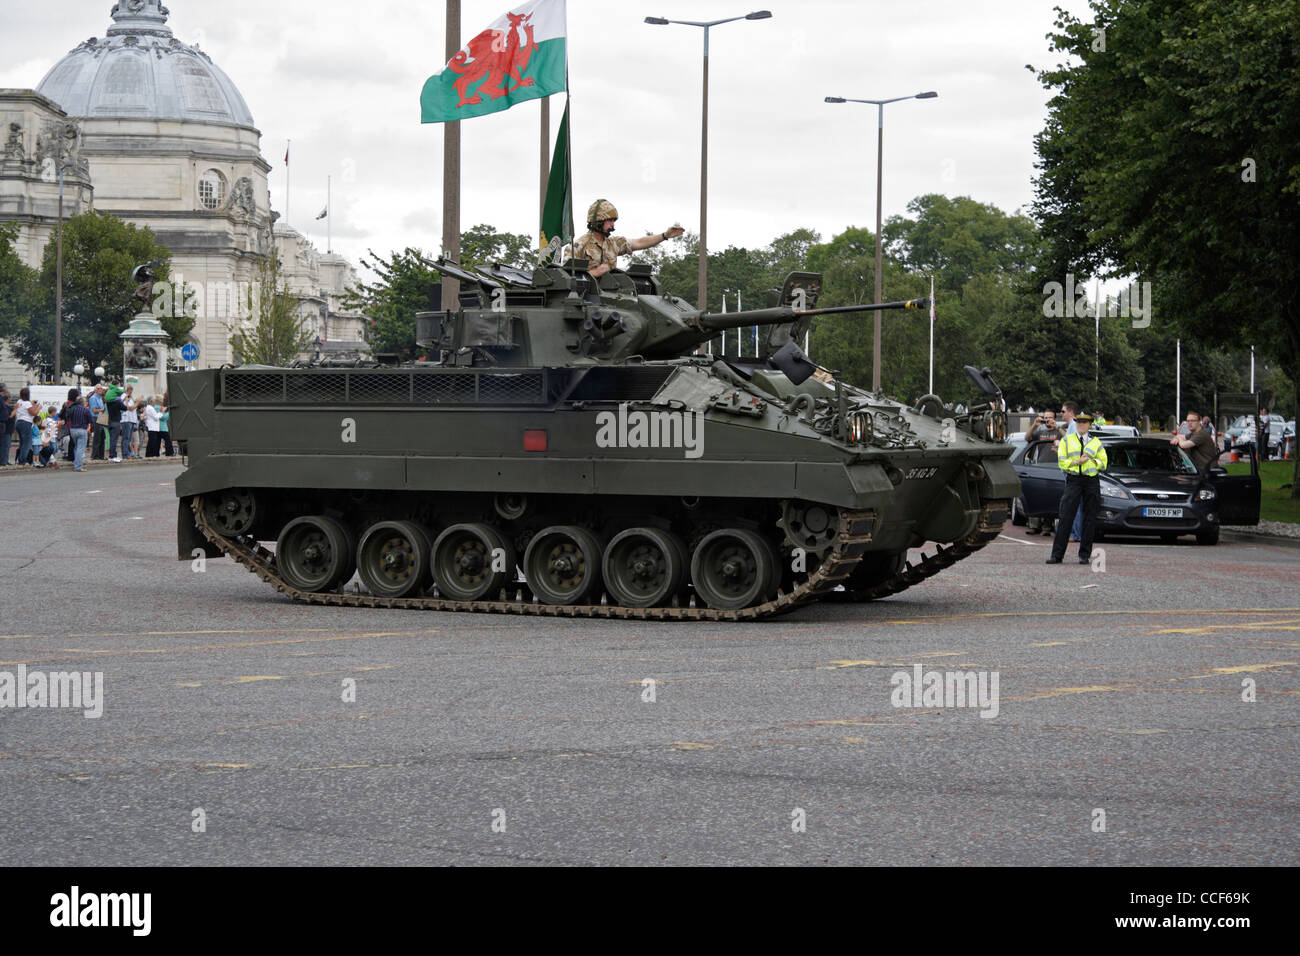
{"x": 601, "y": 248}
{"x": 1080, "y": 457}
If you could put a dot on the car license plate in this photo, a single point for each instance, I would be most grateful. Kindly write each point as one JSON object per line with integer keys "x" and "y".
{"x": 1162, "y": 512}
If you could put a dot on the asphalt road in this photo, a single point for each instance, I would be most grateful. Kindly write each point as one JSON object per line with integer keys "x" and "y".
{"x": 1118, "y": 690}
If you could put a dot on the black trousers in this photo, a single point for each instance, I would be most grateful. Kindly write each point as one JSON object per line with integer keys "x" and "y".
{"x": 1080, "y": 490}
{"x": 154, "y": 443}
{"x": 97, "y": 446}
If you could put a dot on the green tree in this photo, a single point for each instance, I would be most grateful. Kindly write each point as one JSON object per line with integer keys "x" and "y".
{"x": 99, "y": 253}
{"x": 405, "y": 283}
{"x": 274, "y": 333}
{"x": 21, "y": 296}
{"x": 1170, "y": 153}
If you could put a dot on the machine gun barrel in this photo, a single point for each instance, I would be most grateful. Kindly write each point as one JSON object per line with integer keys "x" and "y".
{"x": 719, "y": 321}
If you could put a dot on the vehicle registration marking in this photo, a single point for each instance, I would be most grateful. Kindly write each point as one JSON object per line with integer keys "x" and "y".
{"x": 1162, "y": 512}
{"x": 922, "y": 473}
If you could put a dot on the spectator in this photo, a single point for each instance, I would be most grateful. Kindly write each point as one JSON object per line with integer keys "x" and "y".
{"x": 79, "y": 422}
{"x": 1197, "y": 444}
{"x": 23, "y": 415}
{"x": 164, "y": 426}
{"x": 152, "y": 420}
{"x": 64, "y": 431}
{"x": 100, "y": 425}
{"x": 1043, "y": 428}
{"x": 113, "y": 403}
{"x": 1068, "y": 412}
{"x": 129, "y": 423}
{"x": 50, "y": 439}
{"x": 8, "y": 411}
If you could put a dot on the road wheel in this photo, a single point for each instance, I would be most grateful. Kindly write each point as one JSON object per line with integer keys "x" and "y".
{"x": 734, "y": 568}
{"x": 1208, "y": 536}
{"x": 644, "y": 567}
{"x": 232, "y": 512}
{"x": 562, "y": 565}
{"x": 393, "y": 558}
{"x": 314, "y": 553}
{"x": 472, "y": 562}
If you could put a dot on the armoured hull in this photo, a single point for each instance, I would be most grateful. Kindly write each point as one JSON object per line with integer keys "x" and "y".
{"x": 673, "y": 488}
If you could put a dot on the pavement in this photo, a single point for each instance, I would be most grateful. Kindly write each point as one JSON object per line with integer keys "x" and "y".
{"x": 1146, "y": 713}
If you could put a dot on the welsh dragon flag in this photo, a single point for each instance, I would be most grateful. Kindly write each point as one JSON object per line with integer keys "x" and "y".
{"x": 519, "y": 57}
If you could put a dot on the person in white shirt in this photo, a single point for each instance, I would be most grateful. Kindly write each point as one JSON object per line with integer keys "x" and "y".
{"x": 27, "y": 410}
{"x": 49, "y": 440}
{"x": 152, "y": 420}
{"x": 128, "y": 423}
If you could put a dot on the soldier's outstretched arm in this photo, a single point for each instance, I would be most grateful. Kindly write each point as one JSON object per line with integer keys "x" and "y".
{"x": 646, "y": 242}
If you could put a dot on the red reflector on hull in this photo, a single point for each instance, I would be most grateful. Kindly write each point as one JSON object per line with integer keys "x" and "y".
{"x": 534, "y": 439}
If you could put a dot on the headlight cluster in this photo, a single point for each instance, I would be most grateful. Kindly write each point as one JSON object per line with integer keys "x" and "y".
{"x": 1206, "y": 494}
{"x": 1111, "y": 490}
{"x": 861, "y": 428}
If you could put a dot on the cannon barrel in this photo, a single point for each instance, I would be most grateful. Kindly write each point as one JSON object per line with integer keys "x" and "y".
{"x": 718, "y": 321}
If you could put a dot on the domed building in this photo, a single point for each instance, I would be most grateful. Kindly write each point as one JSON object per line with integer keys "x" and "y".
{"x": 150, "y": 129}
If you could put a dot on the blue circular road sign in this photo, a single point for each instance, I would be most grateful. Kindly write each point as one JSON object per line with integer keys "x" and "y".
{"x": 190, "y": 352}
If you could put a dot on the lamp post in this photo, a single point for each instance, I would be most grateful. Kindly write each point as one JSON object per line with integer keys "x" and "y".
{"x": 79, "y": 370}
{"x": 880, "y": 149}
{"x": 704, "y": 138}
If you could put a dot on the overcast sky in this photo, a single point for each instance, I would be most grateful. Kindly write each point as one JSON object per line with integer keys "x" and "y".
{"x": 342, "y": 81}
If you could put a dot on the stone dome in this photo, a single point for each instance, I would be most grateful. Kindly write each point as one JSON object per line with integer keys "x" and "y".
{"x": 140, "y": 71}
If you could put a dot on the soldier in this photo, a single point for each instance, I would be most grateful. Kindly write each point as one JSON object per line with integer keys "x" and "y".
{"x": 601, "y": 248}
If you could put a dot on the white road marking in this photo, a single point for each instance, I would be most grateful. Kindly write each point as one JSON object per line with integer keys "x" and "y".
{"x": 95, "y": 492}
{"x": 1032, "y": 544}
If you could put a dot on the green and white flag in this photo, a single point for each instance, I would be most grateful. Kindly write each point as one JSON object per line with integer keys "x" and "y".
{"x": 519, "y": 57}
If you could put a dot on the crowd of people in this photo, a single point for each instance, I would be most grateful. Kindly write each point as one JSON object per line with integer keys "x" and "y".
{"x": 111, "y": 420}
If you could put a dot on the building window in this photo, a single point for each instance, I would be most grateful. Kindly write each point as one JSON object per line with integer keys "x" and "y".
{"x": 212, "y": 189}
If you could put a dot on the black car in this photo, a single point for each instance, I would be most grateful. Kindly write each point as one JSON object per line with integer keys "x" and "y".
{"x": 1149, "y": 487}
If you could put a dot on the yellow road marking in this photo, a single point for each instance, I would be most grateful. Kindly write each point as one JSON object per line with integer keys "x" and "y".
{"x": 250, "y": 680}
{"x": 687, "y": 745}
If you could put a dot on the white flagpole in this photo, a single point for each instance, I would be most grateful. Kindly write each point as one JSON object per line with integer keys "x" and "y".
{"x": 329, "y": 224}
{"x": 287, "y": 170}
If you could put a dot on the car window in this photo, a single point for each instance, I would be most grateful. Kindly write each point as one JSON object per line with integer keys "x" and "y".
{"x": 1139, "y": 458}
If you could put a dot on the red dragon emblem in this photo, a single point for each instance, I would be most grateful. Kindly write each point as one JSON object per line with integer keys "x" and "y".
{"x": 495, "y": 54}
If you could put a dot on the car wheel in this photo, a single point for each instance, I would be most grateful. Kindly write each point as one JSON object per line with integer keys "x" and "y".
{"x": 1209, "y": 536}
{"x": 1018, "y": 516}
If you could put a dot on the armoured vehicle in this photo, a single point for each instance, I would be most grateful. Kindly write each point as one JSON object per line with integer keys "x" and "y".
{"x": 565, "y": 448}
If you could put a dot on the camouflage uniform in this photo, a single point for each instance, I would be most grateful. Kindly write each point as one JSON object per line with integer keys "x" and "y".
{"x": 598, "y": 249}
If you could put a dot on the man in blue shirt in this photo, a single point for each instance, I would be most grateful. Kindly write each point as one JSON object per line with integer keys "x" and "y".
{"x": 97, "y": 405}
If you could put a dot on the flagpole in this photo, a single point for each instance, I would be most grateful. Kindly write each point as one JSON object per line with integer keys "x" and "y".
{"x": 546, "y": 161}
{"x": 329, "y": 224}
{"x": 451, "y": 173}
{"x": 287, "y": 178}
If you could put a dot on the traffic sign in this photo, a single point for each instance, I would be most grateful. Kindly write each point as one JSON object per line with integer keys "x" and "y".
{"x": 189, "y": 352}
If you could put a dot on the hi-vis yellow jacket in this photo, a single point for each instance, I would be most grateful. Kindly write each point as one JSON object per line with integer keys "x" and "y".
{"x": 1069, "y": 455}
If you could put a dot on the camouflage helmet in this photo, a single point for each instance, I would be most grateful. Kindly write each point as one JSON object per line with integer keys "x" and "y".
{"x": 601, "y": 210}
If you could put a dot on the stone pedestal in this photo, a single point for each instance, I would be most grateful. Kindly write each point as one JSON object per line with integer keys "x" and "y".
{"x": 144, "y": 356}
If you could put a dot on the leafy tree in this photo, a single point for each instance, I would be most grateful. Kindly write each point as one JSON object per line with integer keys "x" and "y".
{"x": 482, "y": 244}
{"x": 275, "y": 333}
{"x": 99, "y": 253}
{"x": 403, "y": 289}
{"x": 1170, "y": 153}
{"x": 20, "y": 293}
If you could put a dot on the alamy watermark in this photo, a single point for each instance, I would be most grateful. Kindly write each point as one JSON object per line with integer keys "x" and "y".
{"x": 922, "y": 688}
{"x": 636, "y": 428}
{"x": 75, "y": 908}
{"x": 1070, "y": 302}
{"x": 82, "y": 690}
{"x": 217, "y": 300}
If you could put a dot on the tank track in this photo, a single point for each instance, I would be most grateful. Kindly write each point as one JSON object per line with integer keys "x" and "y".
{"x": 849, "y": 547}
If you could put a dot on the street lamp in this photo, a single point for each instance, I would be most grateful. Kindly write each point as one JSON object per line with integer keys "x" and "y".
{"x": 880, "y": 147}
{"x": 79, "y": 370}
{"x": 704, "y": 136}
